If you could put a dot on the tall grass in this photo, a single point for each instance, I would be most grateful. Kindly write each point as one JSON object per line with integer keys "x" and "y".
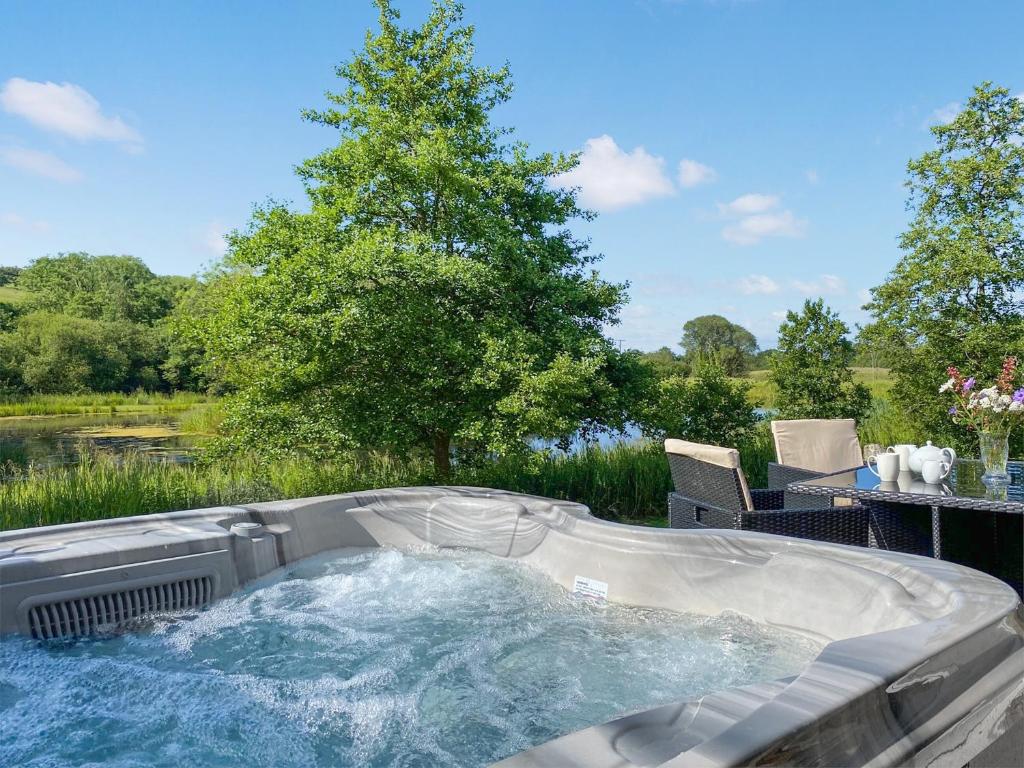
{"x": 888, "y": 424}
{"x": 204, "y": 419}
{"x": 626, "y": 481}
{"x": 104, "y": 402}
{"x": 101, "y": 487}
{"x": 622, "y": 482}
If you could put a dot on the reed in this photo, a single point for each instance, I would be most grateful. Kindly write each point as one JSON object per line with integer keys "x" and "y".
{"x": 626, "y": 482}
{"x": 204, "y": 419}
{"x": 99, "y": 486}
{"x": 103, "y": 402}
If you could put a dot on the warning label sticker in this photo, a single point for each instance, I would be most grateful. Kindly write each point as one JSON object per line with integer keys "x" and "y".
{"x": 592, "y": 588}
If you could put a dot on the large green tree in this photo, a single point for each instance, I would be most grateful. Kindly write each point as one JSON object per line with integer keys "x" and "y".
{"x": 731, "y": 344}
{"x": 811, "y": 368}
{"x": 956, "y": 296}
{"x": 112, "y": 288}
{"x": 433, "y": 296}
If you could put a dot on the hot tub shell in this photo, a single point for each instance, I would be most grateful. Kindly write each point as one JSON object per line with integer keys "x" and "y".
{"x": 922, "y": 661}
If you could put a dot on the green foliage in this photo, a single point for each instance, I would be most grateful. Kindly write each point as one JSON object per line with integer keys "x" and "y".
{"x": 811, "y": 371}
{"x": 434, "y": 294}
{"x": 78, "y": 323}
{"x": 111, "y": 288}
{"x": 763, "y": 359}
{"x": 956, "y": 297}
{"x": 665, "y": 363}
{"x": 709, "y": 408}
{"x": 8, "y": 275}
{"x": 733, "y": 345}
{"x": 50, "y": 353}
{"x": 8, "y": 317}
{"x": 187, "y": 365}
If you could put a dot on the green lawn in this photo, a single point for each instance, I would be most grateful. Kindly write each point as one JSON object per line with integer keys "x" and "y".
{"x": 762, "y": 392}
{"x": 12, "y": 295}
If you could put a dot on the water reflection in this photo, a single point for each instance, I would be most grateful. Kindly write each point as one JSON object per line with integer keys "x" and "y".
{"x": 53, "y": 441}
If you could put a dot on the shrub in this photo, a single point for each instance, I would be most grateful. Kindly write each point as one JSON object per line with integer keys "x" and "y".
{"x": 811, "y": 369}
{"x": 709, "y": 408}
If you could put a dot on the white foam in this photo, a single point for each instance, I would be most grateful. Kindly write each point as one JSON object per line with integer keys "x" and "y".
{"x": 369, "y": 658}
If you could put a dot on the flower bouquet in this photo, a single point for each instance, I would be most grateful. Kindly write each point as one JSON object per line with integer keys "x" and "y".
{"x": 992, "y": 412}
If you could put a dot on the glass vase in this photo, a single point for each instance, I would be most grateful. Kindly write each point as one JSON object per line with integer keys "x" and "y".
{"x": 995, "y": 448}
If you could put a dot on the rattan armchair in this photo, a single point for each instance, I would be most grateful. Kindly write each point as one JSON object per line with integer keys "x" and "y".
{"x": 711, "y": 492}
{"x": 809, "y": 448}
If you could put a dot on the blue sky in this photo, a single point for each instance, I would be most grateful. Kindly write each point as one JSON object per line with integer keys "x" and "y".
{"x": 152, "y": 128}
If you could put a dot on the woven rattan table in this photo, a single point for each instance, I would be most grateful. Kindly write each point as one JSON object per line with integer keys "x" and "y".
{"x": 961, "y": 520}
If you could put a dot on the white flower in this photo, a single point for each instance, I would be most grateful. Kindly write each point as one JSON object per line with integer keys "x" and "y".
{"x": 984, "y": 402}
{"x": 947, "y": 386}
{"x": 992, "y": 392}
{"x": 1016, "y": 406}
{"x": 1005, "y": 400}
{"x": 997, "y": 408}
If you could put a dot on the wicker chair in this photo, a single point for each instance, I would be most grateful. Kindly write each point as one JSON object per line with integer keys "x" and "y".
{"x": 711, "y": 492}
{"x": 809, "y": 448}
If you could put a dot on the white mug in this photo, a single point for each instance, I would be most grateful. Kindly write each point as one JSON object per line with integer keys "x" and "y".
{"x": 933, "y": 471}
{"x": 903, "y": 450}
{"x": 888, "y": 466}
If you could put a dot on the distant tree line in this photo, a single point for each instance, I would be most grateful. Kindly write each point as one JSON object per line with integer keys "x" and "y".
{"x": 77, "y": 322}
{"x": 732, "y": 346}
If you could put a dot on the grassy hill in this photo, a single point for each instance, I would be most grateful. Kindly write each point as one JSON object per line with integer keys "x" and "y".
{"x": 876, "y": 379}
{"x": 10, "y": 295}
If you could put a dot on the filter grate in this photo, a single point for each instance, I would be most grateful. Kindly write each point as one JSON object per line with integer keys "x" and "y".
{"x": 88, "y": 614}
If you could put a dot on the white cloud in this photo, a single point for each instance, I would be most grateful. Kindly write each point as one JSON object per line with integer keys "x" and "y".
{"x": 67, "y": 109}
{"x": 758, "y": 219}
{"x": 752, "y": 284}
{"x": 692, "y": 174}
{"x": 213, "y": 238}
{"x": 812, "y": 176}
{"x": 610, "y": 179}
{"x": 17, "y": 221}
{"x": 864, "y": 295}
{"x": 825, "y": 285}
{"x": 745, "y": 205}
{"x": 40, "y": 163}
{"x": 753, "y": 229}
{"x": 944, "y": 114}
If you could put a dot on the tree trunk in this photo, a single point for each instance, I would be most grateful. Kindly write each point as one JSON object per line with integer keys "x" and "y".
{"x": 442, "y": 457}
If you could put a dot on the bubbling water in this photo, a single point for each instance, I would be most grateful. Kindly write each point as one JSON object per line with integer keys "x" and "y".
{"x": 369, "y": 658}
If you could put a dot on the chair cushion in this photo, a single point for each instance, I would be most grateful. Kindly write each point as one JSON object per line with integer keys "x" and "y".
{"x": 821, "y": 445}
{"x": 713, "y": 454}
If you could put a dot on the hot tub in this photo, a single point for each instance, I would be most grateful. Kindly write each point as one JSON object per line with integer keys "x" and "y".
{"x": 917, "y": 661}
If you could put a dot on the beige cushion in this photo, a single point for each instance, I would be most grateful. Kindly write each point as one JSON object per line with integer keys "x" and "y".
{"x": 713, "y": 454}
{"x": 820, "y": 445}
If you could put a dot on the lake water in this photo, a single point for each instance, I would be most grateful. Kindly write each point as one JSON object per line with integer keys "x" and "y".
{"x": 54, "y": 440}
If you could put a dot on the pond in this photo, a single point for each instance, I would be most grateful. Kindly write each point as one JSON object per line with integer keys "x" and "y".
{"x": 47, "y": 441}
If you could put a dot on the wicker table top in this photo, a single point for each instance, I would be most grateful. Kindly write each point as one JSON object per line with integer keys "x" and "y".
{"x": 963, "y": 489}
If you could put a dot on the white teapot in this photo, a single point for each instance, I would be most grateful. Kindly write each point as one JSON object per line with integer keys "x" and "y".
{"x": 929, "y": 452}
